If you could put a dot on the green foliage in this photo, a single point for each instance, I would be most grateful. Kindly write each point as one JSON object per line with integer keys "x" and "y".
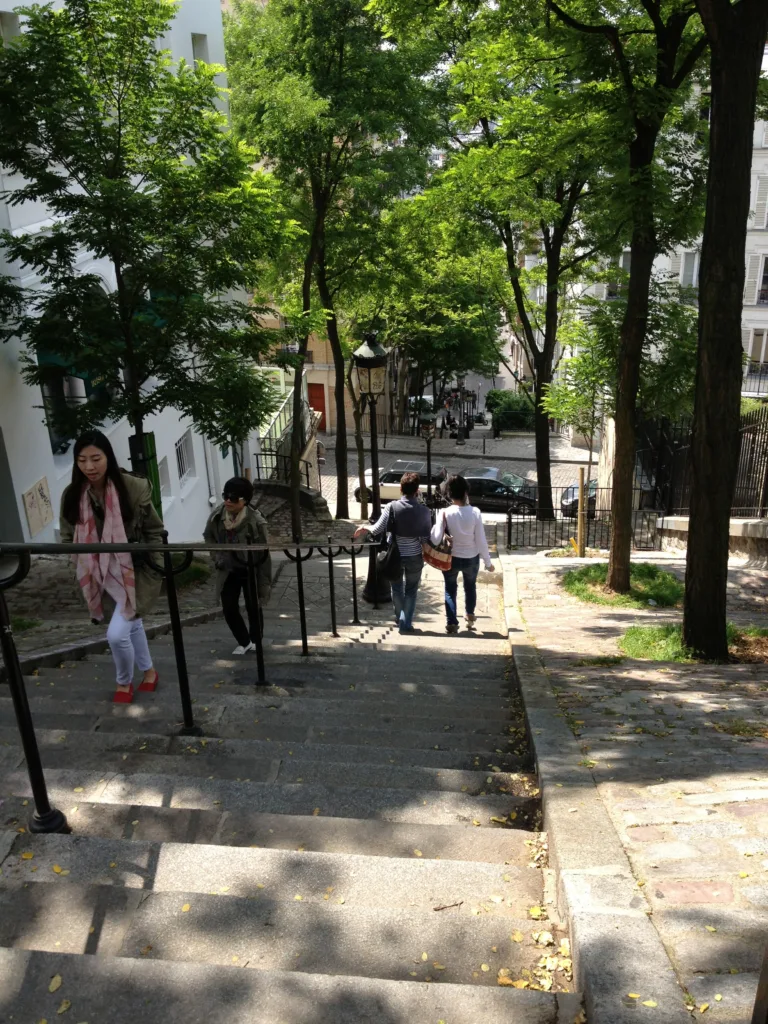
{"x": 578, "y": 395}
{"x": 510, "y": 410}
{"x": 647, "y": 583}
{"x": 130, "y": 156}
{"x": 21, "y": 624}
{"x": 655, "y": 643}
{"x": 749, "y": 405}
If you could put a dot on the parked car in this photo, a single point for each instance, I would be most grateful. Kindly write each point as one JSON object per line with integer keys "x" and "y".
{"x": 481, "y": 418}
{"x": 389, "y": 478}
{"x": 569, "y": 502}
{"x": 493, "y": 490}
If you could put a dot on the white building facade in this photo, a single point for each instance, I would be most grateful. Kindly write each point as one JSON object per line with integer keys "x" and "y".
{"x": 36, "y": 466}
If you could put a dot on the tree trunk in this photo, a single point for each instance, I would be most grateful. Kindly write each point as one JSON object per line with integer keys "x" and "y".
{"x": 545, "y": 506}
{"x": 357, "y": 415}
{"x": 737, "y": 35}
{"x": 633, "y": 330}
{"x": 332, "y": 326}
{"x": 297, "y": 432}
{"x": 402, "y": 395}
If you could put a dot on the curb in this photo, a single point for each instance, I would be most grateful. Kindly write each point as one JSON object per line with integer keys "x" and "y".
{"x": 616, "y": 948}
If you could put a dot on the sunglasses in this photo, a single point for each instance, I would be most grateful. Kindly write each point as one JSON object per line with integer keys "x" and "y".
{"x": 232, "y": 497}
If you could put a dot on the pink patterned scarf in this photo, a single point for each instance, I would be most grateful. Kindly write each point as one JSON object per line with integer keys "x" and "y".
{"x": 110, "y": 572}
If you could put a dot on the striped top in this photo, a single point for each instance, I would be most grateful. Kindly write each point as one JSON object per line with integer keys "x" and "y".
{"x": 409, "y": 546}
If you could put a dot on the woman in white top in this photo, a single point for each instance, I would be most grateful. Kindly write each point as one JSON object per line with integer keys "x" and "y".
{"x": 465, "y": 525}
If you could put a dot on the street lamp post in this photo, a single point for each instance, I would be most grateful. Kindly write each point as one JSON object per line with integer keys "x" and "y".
{"x": 371, "y": 367}
{"x": 428, "y": 426}
{"x": 460, "y": 431}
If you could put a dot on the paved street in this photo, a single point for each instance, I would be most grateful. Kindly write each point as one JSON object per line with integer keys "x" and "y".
{"x": 678, "y": 756}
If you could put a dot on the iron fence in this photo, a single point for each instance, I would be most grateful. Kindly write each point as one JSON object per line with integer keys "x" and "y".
{"x": 755, "y": 380}
{"x": 273, "y": 466}
{"x": 531, "y": 526}
{"x": 45, "y": 817}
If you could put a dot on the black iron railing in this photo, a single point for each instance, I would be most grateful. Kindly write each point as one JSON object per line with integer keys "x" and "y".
{"x": 755, "y": 380}
{"x": 46, "y": 818}
{"x": 531, "y": 525}
{"x": 272, "y": 466}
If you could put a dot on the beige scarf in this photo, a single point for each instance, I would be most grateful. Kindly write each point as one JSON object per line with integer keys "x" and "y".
{"x": 231, "y": 522}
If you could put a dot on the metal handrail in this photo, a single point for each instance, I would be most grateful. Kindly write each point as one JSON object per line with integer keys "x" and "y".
{"x": 44, "y": 817}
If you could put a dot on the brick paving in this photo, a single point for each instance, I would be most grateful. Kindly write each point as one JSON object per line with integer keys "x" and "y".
{"x": 678, "y": 754}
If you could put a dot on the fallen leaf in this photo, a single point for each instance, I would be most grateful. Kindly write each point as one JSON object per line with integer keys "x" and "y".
{"x": 476, "y": 823}
{"x": 633, "y": 995}
{"x": 650, "y": 1002}
{"x": 147, "y": 949}
{"x": 536, "y": 913}
{"x": 718, "y": 998}
{"x": 65, "y": 1005}
{"x": 56, "y": 869}
{"x": 424, "y": 956}
{"x": 298, "y": 898}
{"x": 185, "y": 908}
{"x": 704, "y": 1007}
{"x": 55, "y": 984}
{"x": 710, "y": 928}
{"x": 78, "y": 789}
{"x": 418, "y": 853}
{"x": 113, "y": 863}
{"x": 743, "y": 874}
{"x": 27, "y": 855}
{"x": 517, "y": 936}
{"x": 502, "y": 979}
{"x": 135, "y": 822}
{"x": 316, "y": 812}
{"x": 484, "y": 967}
{"x": 438, "y": 967}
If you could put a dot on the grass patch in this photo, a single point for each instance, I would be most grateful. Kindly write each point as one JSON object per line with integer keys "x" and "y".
{"x": 655, "y": 643}
{"x": 665, "y": 643}
{"x": 20, "y": 624}
{"x": 198, "y": 572}
{"x": 647, "y": 583}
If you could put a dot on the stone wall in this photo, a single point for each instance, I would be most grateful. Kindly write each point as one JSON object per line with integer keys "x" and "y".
{"x": 748, "y": 538}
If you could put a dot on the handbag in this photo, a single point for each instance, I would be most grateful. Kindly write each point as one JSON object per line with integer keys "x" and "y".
{"x": 388, "y": 562}
{"x": 439, "y": 556}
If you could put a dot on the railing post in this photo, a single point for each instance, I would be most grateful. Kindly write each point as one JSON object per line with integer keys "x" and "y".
{"x": 332, "y": 588}
{"x": 509, "y": 529}
{"x": 582, "y": 514}
{"x": 189, "y": 728}
{"x": 355, "y": 610}
{"x": 44, "y": 818}
{"x": 302, "y": 606}
{"x": 256, "y": 620}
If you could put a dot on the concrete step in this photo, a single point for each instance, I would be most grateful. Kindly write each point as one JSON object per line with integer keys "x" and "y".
{"x": 328, "y": 937}
{"x": 289, "y": 770}
{"x": 193, "y": 792}
{"x": 499, "y": 892}
{"x": 286, "y": 832}
{"x": 124, "y": 991}
{"x": 153, "y": 743}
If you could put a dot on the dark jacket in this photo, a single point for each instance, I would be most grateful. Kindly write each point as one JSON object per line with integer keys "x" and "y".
{"x": 144, "y": 527}
{"x": 252, "y": 530}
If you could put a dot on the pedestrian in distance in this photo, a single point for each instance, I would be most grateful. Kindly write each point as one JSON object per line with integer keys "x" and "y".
{"x": 105, "y": 504}
{"x": 469, "y": 544}
{"x": 408, "y": 521}
{"x": 235, "y": 522}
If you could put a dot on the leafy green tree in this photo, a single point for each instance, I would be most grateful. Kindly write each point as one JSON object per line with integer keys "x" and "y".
{"x": 736, "y": 34}
{"x": 129, "y": 155}
{"x": 526, "y": 164}
{"x": 637, "y": 59}
{"x": 336, "y": 113}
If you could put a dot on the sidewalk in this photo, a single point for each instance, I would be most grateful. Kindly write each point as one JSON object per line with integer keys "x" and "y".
{"x": 520, "y": 447}
{"x": 673, "y": 758}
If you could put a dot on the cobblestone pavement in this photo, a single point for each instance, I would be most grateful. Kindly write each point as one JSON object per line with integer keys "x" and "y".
{"x": 678, "y": 753}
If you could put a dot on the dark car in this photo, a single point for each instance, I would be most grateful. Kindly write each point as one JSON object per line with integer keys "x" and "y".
{"x": 493, "y": 490}
{"x": 569, "y": 502}
{"x": 389, "y": 478}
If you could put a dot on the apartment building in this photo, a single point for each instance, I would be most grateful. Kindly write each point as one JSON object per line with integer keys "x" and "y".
{"x": 36, "y": 463}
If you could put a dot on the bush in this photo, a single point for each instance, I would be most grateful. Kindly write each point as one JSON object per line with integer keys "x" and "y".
{"x": 511, "y": 410}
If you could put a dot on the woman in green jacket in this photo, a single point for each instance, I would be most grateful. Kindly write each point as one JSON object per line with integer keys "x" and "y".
{"x": 235, "y": 522}
{"x": 104, "y": 504}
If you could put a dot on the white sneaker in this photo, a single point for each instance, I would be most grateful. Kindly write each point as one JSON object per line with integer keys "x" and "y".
{"x": 470, "y": 619}
{"x": 244, "y": 650}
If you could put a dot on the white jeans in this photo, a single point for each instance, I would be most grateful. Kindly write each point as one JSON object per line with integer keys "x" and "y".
{"x": 128, "y": 643}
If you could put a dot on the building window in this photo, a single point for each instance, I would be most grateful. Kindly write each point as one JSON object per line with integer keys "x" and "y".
{"x": 165, "y": 477}
{"x": 200, "y": 47}
{"x": 185, "y": 458}
{"x": 9, "y": 25}
{"x": 762, "y": 295}
{"x": 614, "y": 287}
{"x": 755, "y": 350}
{"x": 689, "y": 277}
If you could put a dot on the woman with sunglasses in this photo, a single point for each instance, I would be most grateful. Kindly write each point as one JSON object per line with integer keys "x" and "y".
{"x": 235, "y": 522}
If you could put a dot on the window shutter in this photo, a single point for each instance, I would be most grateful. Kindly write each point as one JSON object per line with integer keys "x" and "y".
{"x": 675, "y": 266}
{"x": 689, "y": 270}
{"x": 753, "y": 271}
{"x": 761, "y": 204}
{"x": 765, "y": 135}
{"x": 746, "y": 340}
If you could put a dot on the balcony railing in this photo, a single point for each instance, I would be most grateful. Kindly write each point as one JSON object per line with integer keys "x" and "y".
{"x": 755, "y": 379}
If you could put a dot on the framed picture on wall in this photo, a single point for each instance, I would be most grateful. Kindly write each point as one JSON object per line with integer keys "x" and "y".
{"x": 38, "y": 506}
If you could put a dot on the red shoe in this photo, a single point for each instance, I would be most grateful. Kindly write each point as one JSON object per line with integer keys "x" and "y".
{"x": 123, "y": 696}
{"x": 151, "y": 686}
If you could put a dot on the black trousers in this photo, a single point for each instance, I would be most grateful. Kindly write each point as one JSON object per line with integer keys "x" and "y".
{"x": 235, "y": 584}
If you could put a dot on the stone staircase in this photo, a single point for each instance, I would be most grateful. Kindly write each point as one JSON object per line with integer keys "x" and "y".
{"x": 355, "y": 842}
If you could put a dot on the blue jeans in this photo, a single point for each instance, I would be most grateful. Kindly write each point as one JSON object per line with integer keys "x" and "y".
{"x": 404, "y": 591}
{"x": 469, "y": 568}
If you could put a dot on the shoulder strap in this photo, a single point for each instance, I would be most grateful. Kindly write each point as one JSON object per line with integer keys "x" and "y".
{"x": 391, "y": 520}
